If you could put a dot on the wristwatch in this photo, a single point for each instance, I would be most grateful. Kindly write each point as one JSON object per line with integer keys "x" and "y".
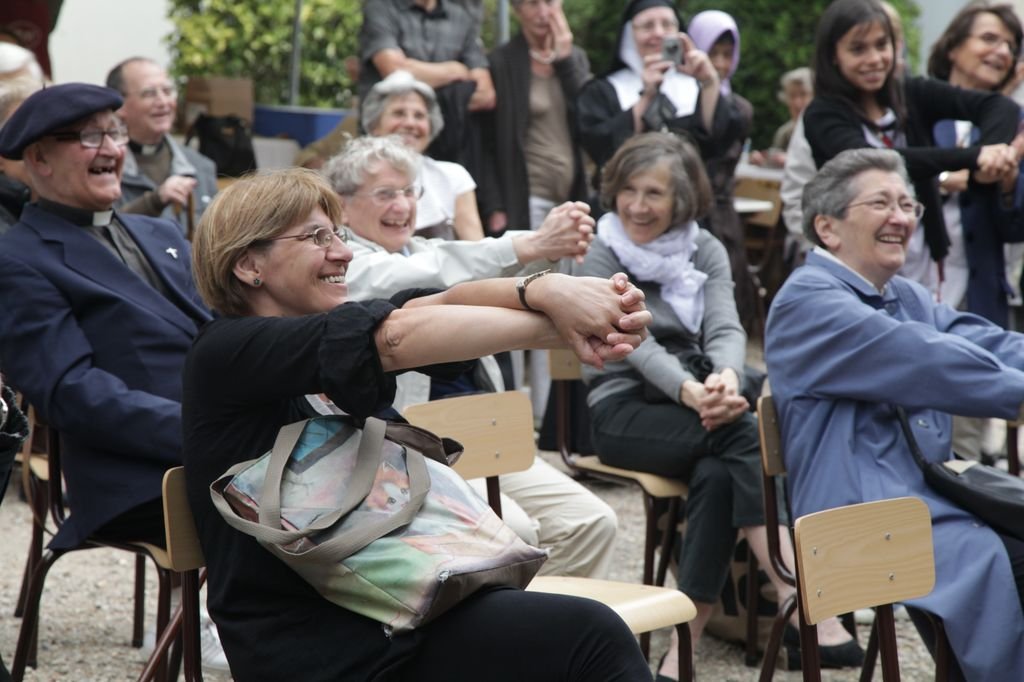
{"x": 525, "y": 282}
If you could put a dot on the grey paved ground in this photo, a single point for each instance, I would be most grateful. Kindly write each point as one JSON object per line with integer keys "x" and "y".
{"x": 86, "y": 620}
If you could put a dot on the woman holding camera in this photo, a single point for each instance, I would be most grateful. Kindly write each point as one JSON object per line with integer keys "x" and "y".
{"x": 658, "y": 81}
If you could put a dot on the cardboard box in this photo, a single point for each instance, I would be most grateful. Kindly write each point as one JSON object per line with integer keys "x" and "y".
{"x": 218, "y": 96}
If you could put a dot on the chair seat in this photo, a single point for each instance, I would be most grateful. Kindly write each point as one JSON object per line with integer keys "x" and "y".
{"x": 657, "y": 486}
{"x": 642, "y": 607}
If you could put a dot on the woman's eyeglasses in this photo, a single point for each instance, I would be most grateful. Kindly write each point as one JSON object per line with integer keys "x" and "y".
{"x": 321, "y": 236}
{"x": 384, "y": 196}
{"x": 908, "y": 207}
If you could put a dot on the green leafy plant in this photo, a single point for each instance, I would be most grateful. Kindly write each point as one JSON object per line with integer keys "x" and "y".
{"x": 253, "y": 38}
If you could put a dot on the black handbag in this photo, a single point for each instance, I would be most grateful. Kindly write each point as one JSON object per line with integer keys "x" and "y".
{"x": 227, "y": 141}
{"x": 991, "y": 494}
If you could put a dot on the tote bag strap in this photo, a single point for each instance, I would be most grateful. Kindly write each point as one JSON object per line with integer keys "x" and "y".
{"x": 357, "y": 487}
{"x": 269, "y": 531}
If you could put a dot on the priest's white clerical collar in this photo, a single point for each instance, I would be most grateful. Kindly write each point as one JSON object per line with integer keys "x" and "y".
{"x": 825, "y": 253}
{"x": 146, "y": 149}
{"x": 77, "y": 216}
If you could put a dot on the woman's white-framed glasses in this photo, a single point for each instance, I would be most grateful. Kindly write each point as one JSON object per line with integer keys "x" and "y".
{"x": 321, "y": 236}
{"x": 91, "y": 138}
{"x": 909, "y": 207}
{"x": 384, "y": 196}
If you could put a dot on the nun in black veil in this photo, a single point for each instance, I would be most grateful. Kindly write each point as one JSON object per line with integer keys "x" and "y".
{"x": 643, "y": 91}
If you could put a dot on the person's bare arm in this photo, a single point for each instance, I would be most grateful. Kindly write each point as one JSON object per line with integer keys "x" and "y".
{"x": 434, "y": 74}
{"x": 467, "y": 217}
{"x": 484, "y": 97}
{"x": 600, "y": 319}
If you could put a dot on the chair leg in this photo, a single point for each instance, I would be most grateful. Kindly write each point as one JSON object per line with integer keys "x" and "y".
{"x": 163, "y": 611}
{"x": 943, "y": 653}
{"x": 753, "y": 604}
{"x": 771, "y": 650}
{"x": 156, "y": 660}
{"x": 25, "y": 653}
{"x": 867, "y": 672}
{"x": 887, "y": 643}
{"x": 668, "y": 541}
{"x": 190, "y": 581}
{"x": 685, "y": 653}
{"x": 138, "y": 624}
{"x": 1012, "y": 454}
{"x": 653, "y": 508}
{"x": 810, "y": 662}
{"x": 35, "y": 547}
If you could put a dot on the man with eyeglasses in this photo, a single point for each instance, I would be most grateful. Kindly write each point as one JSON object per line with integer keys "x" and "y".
{"x": 159, "y": 175}
{"x": 99, "y": 310}
{"x": 847, "y": 341}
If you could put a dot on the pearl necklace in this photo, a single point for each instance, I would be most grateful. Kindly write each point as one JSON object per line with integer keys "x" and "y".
{"x": 543, "y": 59}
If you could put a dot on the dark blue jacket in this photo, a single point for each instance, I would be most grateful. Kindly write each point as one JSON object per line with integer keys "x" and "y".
{"x": 99, "y": 353}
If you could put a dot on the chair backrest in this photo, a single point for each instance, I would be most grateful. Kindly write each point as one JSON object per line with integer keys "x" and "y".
{"x": 564, "y": 365}
{"x": 864, "y": 555}
{"x": 496, "y": 430}
{"x": 183, "y": 549}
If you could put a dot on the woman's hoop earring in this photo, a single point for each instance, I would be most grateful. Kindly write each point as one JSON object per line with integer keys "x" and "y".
{"x": 256, "y": 282}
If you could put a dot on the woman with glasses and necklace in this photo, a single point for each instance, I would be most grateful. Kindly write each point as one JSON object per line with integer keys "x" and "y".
{"x": 847, "y": 341}
{"x": 401, "y": 105}
{"x": 862, "y": 100}
{"x": 978, "y": 51}
{"x": 270, "y": 258}
{"x": 985, "y": 223}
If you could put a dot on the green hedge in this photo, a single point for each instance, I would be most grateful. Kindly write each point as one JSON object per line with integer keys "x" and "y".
{"x": 254, "y": 38}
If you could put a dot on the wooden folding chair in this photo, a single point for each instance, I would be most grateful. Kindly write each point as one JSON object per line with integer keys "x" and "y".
{"x": 864, "y": 555}
{"x": 772, "y": 470}
{"x": 496, "y": 430}
{"x": 661, "y": 495}
{"x": 50, "y": 492}
{"x": 185, "y": 557}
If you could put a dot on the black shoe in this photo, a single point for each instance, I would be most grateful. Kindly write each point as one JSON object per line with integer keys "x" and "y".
{"x": 845, "y": 655}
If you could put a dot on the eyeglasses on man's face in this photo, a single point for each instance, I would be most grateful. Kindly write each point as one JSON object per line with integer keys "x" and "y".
{"x": 321, "y": 236}
{"x": 92, "y": 138}
{"x": 909, "y": 207}
{"x": 150, "y": 94}
{"x": 384, "y": 196}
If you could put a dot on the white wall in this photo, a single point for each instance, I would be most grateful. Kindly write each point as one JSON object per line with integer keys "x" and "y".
{"x": 93, "y": 35}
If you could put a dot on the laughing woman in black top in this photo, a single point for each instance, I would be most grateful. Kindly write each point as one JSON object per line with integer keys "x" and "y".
{"x": 270, "y": 259}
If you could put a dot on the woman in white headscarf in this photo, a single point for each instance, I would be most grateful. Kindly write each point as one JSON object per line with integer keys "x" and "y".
{"x": 644, "y": 91}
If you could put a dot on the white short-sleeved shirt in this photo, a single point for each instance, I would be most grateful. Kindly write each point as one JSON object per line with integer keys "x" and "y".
{"x": 442, "y": 183}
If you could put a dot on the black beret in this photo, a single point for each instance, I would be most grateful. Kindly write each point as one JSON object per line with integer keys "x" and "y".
{"x": 50, "y": 109}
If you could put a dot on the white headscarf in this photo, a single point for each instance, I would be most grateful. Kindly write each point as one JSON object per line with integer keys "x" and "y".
{"x": 681, "y": 90}
{"x": 667, "y": 261}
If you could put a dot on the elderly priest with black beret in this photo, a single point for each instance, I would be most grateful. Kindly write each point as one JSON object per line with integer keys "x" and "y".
{"x": 99, "y": 311}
